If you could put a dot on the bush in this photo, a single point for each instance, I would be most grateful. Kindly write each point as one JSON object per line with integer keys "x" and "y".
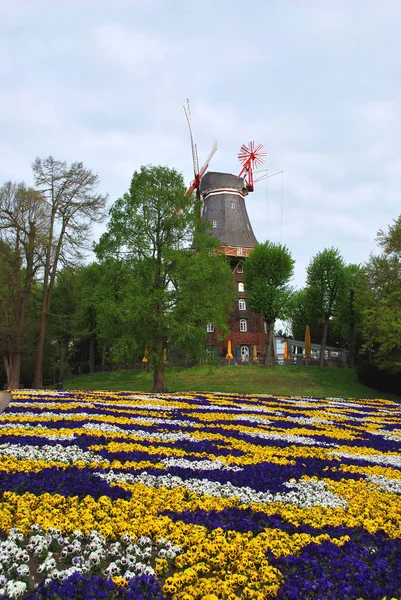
{"x": 380, "y": 379}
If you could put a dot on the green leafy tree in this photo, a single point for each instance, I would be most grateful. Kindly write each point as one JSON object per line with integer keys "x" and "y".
{"x": 347, "y": 321}
{"x": 382, "y": 311}
{"x": 178, "y": 281}
{"x": 301, "y": 315}
{"x": 325, "y": 288}
{"x": 110, "y": 293}
{"x": 267, "y": 272}
{"x": 64, "y": 326}
{"x": 391, "y": 241}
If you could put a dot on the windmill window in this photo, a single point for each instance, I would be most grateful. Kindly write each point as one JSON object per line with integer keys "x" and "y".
{"x": 214, "y": 224}
{"x": 239, "y": 252}
{"x": 241, "y": 287}
{"x": 232, "y": 204}
{"x": 243, "y": 325}
{"x": 242, "y": 304}
{"x": 210, "y": 327}
{"x": 240, "y": 269}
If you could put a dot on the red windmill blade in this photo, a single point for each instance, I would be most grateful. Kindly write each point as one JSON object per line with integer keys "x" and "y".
{"x": 250, "y": 157}
{"x": 198, "y": 173}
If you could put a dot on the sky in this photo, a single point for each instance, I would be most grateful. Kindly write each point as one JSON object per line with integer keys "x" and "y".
{"x": 318, "y": 83}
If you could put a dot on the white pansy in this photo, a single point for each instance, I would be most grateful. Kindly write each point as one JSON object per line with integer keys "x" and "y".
{"x": 200, "y": 486}
{"x": 23, "y": 570}
{"x": 83, "y": 552}
{"x": 343, "y": 416}
{"x": 360, "y": 409}
{"x": 311, "y": 420}
{"x": 393, "y": 486}
{"x": 15, "y": 589}
{"x": 393, "y": 435}
{"x": 289, "y": 437}
{"x": 156, "y": 421}
{"x": 64, "y": 454}
{"x": 140, "y": 433}
{"x": 244, "y": 408}
{"x": 51, "y": 415}
{"x": 199, "y": 465}
{"x": 39, "y": 429}
{"x": 391, "y": 460}
{"x": 251, "y": 419}
{"x": 144, "y": 406}
{"x": 307, "y": 494}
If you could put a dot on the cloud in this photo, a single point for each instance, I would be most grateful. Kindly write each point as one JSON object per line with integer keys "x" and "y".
{"x": 134, "y": 52}
{"x": 317, "y": 83}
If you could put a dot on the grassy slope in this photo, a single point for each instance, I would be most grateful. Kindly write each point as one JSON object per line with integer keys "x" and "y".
{"x": 250, "y": 379}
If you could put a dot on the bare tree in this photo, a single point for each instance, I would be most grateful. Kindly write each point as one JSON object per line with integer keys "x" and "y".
{"x": 22, "y": 227}
{"x": 73, "y": 205}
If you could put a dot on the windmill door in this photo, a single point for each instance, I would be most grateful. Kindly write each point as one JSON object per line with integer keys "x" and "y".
{"x": 245, "y": 353}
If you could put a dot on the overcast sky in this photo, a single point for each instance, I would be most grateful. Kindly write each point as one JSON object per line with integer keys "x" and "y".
{"x": 317, "y": 82}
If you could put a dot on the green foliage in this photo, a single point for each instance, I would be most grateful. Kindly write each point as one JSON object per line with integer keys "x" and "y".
{"x": 381, "y": 322}
{"x": 325, "y": 290}
{"x": 267, "y": 271}
{"x": 177, "y": 281}
{"x": 325, "y": 283}
{"x": 391, "y": 241}
{"x": 383, "y": 331}
{"x": 110, "y": 296}
{"x": 302, "y": 315}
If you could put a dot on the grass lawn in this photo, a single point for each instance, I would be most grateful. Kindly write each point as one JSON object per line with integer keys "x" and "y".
{"x": 247, "y": 379}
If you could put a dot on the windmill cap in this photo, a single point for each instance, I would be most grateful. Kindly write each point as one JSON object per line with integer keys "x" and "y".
{"x": 218, "y": 181}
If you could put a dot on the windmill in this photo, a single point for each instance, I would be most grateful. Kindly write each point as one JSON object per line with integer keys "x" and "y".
{"x": 198, "y": 173}
{"x": 250, "y": 157}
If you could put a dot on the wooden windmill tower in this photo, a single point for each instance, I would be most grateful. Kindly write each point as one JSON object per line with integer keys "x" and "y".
{"x": 223, "y": 197}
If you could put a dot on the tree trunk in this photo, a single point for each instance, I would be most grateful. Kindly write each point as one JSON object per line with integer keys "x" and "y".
{"x": 92, "y": 354}
{"x": 62, "y": 356}
{"x": 351, "y": 355}
{"x": 103, "y": 356}
{"x": 269, "y": 343}
{"x": 38, "y": 377}
{"x": 159, "y": 380}
{"x": 352, "y": 331}
{"x": 7, "y": 367}
{"x": 13, "y": 370}
{"x": 323, "y": 342}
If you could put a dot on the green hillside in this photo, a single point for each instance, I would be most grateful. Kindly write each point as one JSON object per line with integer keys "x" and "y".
{"x": 249, "y": 379}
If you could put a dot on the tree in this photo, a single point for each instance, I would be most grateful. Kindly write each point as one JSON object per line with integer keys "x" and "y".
{"x": 63, "y": 328}
{"x": 73, "y": 204}
{"x": 301, "y": 315}
{"x": 381, "y": 322}
{"x": 267, "y": 271}
{"x": 391, "y": 241}
{"x": 179, "y": 282}
{"x": 349, "y": 315}
{"x": 325, "y": 285}
{"x": 22, "y": 229}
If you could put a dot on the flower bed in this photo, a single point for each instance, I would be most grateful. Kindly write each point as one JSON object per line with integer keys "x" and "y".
{"x": 199, "y": 496}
